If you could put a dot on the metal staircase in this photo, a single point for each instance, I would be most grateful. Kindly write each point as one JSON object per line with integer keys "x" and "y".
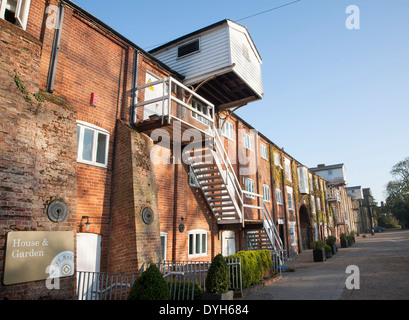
{"x": 221, "y": 189}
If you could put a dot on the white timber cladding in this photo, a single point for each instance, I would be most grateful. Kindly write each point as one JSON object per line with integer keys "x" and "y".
{"x": 224, "y": 48}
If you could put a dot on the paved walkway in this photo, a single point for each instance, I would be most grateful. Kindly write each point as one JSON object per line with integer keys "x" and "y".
{"x": 383, "y": 262}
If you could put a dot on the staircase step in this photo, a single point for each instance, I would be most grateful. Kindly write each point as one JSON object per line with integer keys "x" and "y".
{"x": 221, "y": 205}
{"x": 202, "y": 165}
{"x": 214, "y": 183}
{"x": 201, "y": 172}
{"x": 216, "y": 176}
{"x": 215, "y": 195}
{"x": 215, "y": 189}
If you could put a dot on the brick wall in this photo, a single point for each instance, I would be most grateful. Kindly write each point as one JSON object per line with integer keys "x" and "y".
{"x": 38, "y": 158}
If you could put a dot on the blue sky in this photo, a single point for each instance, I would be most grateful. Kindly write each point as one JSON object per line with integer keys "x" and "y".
{"x": 332, "y": 95}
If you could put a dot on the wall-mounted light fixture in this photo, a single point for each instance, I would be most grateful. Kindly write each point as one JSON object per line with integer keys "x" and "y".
{"x": 87, "y": 223}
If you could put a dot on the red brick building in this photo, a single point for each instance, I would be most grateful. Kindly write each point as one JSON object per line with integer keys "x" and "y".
{"x": 98, "y": 128}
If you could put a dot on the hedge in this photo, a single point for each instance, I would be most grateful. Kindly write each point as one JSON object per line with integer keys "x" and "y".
{"x": 254, "y": 264}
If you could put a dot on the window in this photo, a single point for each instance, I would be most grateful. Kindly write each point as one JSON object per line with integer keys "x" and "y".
{"x": 287, "y": 164}
{"x": 15, "y": 11}
{"x": 277, "y": 161}
{"x": 313, "y": 204}
{"x": 197, "y": 243}
{"x": 248, "y": 141}
{"x": 249, "y": 186}
{"x": 187, "y": 48}
{"x": 92, "y": 142}
{"x": 163, "y": 244}
{"x": 292, "y": 233}
{"x": 192, "y": 179}
{"x": 227, "y": 130}
{"x": 202, "y": 111}
{"x": 246, "y": 52}
{"x": 279, "y": 196}
{"x": 311, "y": 187}
{"x": 266, "y": 193}
{"x": 263, "y": 151}
{"x": 319, "y": 204}
{"x": 290, "y": 198}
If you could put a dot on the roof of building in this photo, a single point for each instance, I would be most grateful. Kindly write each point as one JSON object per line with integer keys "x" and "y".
{"x": 323, "y": 167}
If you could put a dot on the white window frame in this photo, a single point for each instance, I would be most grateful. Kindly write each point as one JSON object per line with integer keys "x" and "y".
{"x": 202, "y": 235}
{"x": 263, "y": 151}
{"x": 21, "y": 13}
{"x": 266, "y": 193}
{"x": 277, "y": 160}
{"x": 199, "y": 114}
{"x": 164, "y": 235}
{"x": 227, "y": 130}
{"x": 81, "y": 125}
{"x": 279, "y": 196}
{"x": 313, "y": 205}
{"x": 290, "y": 198}
{"x": 287, "y": 164}
{"x": 319, "y": 203}
{"x": 249, "y": 186}
{"x": 248, "y": 141}
{"x": 292, "y": 233}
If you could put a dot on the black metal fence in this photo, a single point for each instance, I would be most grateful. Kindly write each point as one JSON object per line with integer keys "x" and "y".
{"x": 186, "y": 280}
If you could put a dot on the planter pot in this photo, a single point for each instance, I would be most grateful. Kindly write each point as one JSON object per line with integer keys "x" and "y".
{"x": 334, "y": 249}
{"x": 218, "y": 296}
{"x": 344, "y": 243}
{"x": 328, "y": 254}
{"x": 319, "y": 255}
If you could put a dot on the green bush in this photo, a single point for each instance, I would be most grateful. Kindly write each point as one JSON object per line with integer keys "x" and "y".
{"x": 253, "y": 265}
{"x": 318, "y": 245}
{"x": 217, "y": 279}
{"x": 150, "y": 286}
{"x": 343, "y": 236}
{"x": 184, "y": 289}
{"x": 328, "y": 248}
{"x": 331, "y": 240}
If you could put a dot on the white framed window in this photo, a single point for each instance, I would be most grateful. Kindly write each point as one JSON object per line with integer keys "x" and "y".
{"x": 202, "y": 111}
{"x": 277, "y": 161}
{"x": 163, "y": 244}
{"x": 227, "y": 130}
{"x": 290, "y": 200}
{"x": 292, "y": 233}
{"x": 266, "y": 193}
{"x": 311, "y": 187}
{"x": 197, "y": 243}
{"x": 93, "y": 144}
{"x": 319, "y": 203}
{"x": 248, "y": 141}
{"x": 287, "y": 164}
{"x": 279, "y": 196}
{"x": 192, "y": 179}
{"x": 249, "y": 186}
{"x": 263, "y": 151}
{"x": 313, "y": 204}
{"x": 15, "y": 11}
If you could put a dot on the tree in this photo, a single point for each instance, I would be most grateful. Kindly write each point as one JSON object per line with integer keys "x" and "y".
{"x": 397, "y": 201}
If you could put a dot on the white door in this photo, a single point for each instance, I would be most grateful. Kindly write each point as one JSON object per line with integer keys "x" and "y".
{"x": 88, "y": 259}
{"x": 228, "y": 243}
{"x": 153, "y": 92}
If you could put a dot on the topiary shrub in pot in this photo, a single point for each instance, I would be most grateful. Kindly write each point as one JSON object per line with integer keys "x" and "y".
{"x": 319, "y": 251}
{"x": 344, "y": 240}
{"x": 328, "y": 251}
{"x": 218, "y": 281}
{"x": 150, "y": 286}
{"x": 331, "y": 241}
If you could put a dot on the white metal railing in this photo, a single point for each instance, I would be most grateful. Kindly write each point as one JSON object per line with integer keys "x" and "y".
{"x": 333, "y": 195}
{"x": 168, "y": 108}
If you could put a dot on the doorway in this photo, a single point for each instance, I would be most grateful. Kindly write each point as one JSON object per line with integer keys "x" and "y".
{"x": 228, "y": 243}
{"x": 305, "y": 228}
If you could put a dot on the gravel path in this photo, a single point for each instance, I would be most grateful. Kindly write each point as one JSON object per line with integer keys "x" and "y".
{"x": 383, "y": 262}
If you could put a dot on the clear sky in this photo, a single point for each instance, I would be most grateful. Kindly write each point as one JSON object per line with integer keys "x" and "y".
{"x": 332, "y": 95}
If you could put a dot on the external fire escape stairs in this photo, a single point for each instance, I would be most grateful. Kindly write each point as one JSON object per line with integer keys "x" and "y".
{"x": 210, "y": 164}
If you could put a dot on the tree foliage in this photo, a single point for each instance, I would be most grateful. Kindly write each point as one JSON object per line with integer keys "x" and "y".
{"x": 397, "y": 201}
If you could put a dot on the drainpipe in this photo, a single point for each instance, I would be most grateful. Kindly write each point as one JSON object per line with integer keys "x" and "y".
{"x": 134, "y": 93}
{"x": 56, "y": 49}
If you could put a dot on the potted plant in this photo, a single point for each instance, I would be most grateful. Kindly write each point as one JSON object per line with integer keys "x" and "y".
{"x": 331, "y": 241}
{"x": 344, "y": 240}
{"x": 319, "y": 251}
{"x": 353, "y": 235}
{"x": 218, "y": 281}
{"x": 328, "y": 251}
